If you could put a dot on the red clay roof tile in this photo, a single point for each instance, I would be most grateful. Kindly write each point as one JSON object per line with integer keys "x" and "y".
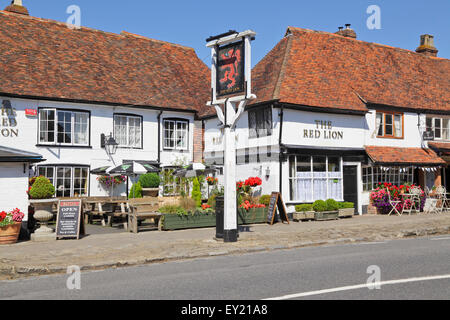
{"x": 44, "y": 58}
{"x": 403, "y": 156}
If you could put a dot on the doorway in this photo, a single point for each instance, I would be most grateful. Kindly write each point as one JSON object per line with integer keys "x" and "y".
{"x": 351, "y": 185}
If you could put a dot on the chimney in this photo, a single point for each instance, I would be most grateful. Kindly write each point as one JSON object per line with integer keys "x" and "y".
{"x": 16, "y": 6}
{"x": 347, "y": 32}
{"x": 427, "y": 47}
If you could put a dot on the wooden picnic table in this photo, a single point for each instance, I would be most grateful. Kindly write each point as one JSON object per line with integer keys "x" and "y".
{"x": 107, "y": 209}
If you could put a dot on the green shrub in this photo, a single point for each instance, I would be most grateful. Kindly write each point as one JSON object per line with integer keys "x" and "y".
{"x": 332, "y": 205}
{"x": 346, "y": 205}
{"x": 265, "y": 199}
{"x": 196, "y": 193}
{"x": 320, "y": 206}
{"x": 150, "y": 180}
{"x": 303, "y": 208}
{"x": 136, "y": 191}
{"x": 42, "y": 188}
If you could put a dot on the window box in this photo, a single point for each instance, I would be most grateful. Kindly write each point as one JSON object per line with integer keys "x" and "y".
{"x": 304, "y": 216}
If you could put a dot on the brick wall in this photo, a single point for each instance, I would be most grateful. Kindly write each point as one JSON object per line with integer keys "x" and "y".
{"x": 199, "y": 141}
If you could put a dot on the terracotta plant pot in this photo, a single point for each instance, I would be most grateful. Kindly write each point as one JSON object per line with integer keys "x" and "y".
{"x": 10, "y": 234}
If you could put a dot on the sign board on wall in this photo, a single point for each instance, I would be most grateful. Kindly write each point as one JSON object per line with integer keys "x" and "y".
{"x": 428, "y": 136}
{"x": 230, "y": 69}
{"x": 8, "y": 122}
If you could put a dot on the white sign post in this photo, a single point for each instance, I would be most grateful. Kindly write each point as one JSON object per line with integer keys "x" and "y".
{"x": 229, "y": 114}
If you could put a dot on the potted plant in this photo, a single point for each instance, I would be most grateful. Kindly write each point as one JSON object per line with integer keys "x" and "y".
{"x": 304, "y": 212}
{"x": 346, "y": 209}
{"x": 150, "y": 184}
{"x": 326, "y": 210}
{"x": 10, "y": 225}
{"x": 41, "y": 198}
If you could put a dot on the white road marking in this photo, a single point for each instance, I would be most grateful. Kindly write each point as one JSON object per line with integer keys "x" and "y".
{"x": 437, "y": 239}
{"x": 367, "y": 243}
{"x": 359, "y": 286}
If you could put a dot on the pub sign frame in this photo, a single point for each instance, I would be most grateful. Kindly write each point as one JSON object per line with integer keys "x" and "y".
{"x": 231, "y": 69}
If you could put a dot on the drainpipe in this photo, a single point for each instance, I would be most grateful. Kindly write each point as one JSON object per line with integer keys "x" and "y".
{"x": 280, "y": 148}
{"x": 159, "y": 136}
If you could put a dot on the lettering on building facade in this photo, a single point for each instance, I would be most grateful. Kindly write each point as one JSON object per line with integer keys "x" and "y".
{"x": 8, "y": 122}
{"x": 323, "y": 130}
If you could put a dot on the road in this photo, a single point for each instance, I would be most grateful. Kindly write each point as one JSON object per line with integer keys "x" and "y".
{"x": 285, "y": 274}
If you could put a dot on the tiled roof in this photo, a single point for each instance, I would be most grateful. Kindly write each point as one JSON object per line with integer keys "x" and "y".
{"x": 44, "y": 58}
{"x": 440, "y": 147}
{"x": 403, "y": 156}
{"x": 321, "y": 69}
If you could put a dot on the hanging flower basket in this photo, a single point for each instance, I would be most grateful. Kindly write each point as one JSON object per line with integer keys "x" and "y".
{"x": 109, "y": 181}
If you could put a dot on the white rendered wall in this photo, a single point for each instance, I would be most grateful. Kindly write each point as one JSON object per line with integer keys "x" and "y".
{"x": 13, "y": 187}
{"x": 101, "y": 121}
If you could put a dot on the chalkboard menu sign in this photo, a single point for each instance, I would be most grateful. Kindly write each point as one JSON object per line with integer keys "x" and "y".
{"x": 276, "y": 201}
{"x": 69, "y": 220}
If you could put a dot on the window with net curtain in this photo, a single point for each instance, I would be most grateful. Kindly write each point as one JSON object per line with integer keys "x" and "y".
{"x": 128, "y": 131}
{"x": 62, "y": 127}
{"x": 389, "y": 125}
{"x": 260, "y": 122}
{"x": 314, "y": 178}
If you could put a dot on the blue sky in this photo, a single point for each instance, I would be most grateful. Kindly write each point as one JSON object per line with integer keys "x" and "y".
{"x": 191, "y": 22}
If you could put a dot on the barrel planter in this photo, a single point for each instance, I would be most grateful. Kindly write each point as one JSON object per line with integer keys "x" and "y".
{"x": 326, "y": 215}
{"x": 10, "y": 234}
{"x": 208, "y": 220}
{"x": 150, "y": 192}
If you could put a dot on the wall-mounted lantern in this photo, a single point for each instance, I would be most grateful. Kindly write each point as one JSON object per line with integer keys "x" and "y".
{"x": 268, "y": 173}
{"x": 109, "y": 143}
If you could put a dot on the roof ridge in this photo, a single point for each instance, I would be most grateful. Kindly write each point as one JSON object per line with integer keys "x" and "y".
{"x": 88, "y": 29}
{"x": 365, "y": 42}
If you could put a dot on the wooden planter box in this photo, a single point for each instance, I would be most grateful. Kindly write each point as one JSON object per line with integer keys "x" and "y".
{"x": 253, "y": 216}
{"x": 302, "y": 216}
{"x": 326, "y": 215}
{"x": 203, "y": 220}
{"x": 346, "y": 213}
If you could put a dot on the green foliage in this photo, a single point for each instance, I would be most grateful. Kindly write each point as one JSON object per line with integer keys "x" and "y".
{"x": 196, "y": 193}
{"x": 149, "y": 180}
{"x": 173, "y": 209}
{"x": 265, "y": 199}
{"x": 320, "y": 206}
{"x": 303, "y": 207}
{"x": 212, "y": 201}
{"x": 332, "y": 205}
{"x": 136, "y": 191}
{"x": 42, "y": 188}
{"x": 346, "y": 205}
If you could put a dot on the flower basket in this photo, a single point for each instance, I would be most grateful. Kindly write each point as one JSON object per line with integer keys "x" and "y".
{"x": 10, "y": 234}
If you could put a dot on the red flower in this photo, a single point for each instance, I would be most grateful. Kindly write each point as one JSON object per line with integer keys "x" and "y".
{"x": 3, "y": 215}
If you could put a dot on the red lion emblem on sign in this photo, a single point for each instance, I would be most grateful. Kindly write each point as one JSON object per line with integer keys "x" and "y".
{"x": 231, "y": 61}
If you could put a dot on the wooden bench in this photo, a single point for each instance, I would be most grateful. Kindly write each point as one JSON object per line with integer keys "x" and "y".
{"x": 141, "y": 209}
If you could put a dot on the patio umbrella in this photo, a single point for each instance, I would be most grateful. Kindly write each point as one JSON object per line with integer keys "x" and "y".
{"x": 194, "y": 170}
{"x": 132, "y": 169}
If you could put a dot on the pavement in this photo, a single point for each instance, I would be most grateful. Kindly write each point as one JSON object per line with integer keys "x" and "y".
{"x": 115, "y": 250}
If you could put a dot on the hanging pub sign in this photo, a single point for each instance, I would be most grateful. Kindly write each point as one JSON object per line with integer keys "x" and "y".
{"x": 428, "y": 136}
{"x": 230, "y": 69}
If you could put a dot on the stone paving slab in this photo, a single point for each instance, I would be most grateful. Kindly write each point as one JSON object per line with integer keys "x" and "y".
{"x": 114, "y": 250}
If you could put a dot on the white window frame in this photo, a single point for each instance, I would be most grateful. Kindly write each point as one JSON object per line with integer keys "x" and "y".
{"x": 175, "y": 134}
{"x": 72, "y": 128}
{"x": 393, "y": 175}
{"x": 54, "y": 178}
{"x": 293, "y": 180}
{"x": 127, "y": 131}
{"x": 441, "y": 129}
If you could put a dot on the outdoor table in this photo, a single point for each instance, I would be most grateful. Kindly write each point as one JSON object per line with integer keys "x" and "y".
{"x": 104, "y": 211}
